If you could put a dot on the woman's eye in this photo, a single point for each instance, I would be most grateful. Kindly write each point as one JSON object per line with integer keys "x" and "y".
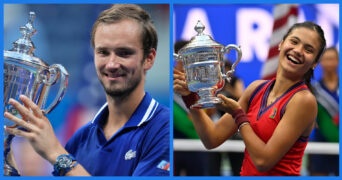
{"x": 309, "y": 50}
{"x": 293, "y": 41}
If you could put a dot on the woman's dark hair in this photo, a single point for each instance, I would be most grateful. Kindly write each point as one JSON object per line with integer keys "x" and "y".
{"x": 310, "y": 25}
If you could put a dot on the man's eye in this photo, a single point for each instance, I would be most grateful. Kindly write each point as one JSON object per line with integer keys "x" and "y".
{"x": 124, "y": 53}
{"x": 102, "y": 52}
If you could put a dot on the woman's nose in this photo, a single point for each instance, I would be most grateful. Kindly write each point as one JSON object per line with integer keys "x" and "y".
{"x": 299, "y": 50}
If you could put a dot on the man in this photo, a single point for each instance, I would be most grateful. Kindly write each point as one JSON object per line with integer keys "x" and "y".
{"x": 129, "y": 136}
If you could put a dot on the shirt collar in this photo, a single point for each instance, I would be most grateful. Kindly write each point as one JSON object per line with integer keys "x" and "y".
{"x": 144, "y": 112}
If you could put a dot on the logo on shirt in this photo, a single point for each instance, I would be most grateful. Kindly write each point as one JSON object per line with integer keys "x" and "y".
{"x": 164, "y": 165}
{"x": 274, "y": 113}
{"x": 130, "y": 154}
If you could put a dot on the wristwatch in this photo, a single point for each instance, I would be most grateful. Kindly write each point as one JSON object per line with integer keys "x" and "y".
{"x": 64, "y": 163}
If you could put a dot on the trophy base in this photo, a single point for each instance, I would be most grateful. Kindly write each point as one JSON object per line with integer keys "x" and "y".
{"x": 206, "y": 103}
{"x": 9, "y": 170}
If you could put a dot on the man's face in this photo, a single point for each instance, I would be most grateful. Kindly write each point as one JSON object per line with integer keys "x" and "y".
{"x": 118, "y": 55}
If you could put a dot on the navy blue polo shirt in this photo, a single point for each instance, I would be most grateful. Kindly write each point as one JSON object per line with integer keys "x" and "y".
{"x": 139, "y": 148}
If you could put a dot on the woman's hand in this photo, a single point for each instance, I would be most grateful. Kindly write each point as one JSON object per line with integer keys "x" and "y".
{"x": 228, "y": 105}
{"x": 179, "y": 83}
{"x": 35, "y": 127}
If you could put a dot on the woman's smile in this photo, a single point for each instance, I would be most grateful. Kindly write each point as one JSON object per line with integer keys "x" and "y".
{"x": 293, "y": 59}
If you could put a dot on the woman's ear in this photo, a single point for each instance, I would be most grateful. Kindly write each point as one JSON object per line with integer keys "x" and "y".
{"x": 314, "y": 66}
{"x": 279, "y": 45}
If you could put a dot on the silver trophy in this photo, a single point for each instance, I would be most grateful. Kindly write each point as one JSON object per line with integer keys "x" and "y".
{"x": 28, "y": 75}
{"x": 202, "y": 60}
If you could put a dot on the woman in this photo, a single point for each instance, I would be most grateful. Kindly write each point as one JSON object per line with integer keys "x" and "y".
{"x": 326, "y": 91}
{"x": 274, "y": 117}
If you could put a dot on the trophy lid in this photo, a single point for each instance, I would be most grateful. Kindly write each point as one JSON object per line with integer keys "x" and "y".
{"x": 200, "y": 40}
{"x": 23, "y": 47}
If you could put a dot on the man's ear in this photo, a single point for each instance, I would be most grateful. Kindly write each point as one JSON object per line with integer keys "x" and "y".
{"x": 149, "y": 60}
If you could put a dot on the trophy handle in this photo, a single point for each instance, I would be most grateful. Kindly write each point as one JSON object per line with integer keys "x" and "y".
{"x": 57, "y": 71}
{"x": 176, "y": 56}
{"x": 227, "y": 49}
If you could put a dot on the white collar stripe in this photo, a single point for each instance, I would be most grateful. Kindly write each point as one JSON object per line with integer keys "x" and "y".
{"x": 98, "y": 112}
{"x": 152, "y": 113}
{"x": 149, "y": 112}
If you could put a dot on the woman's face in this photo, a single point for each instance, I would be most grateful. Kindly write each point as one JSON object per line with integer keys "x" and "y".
{"x": 298, "y": 52}
{"x": 329, "y": 61}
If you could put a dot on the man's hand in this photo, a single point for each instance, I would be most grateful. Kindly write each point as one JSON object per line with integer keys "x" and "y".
{"x": 36, "y": 128}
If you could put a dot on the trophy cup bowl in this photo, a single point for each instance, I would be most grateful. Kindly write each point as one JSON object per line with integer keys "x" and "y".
{"x": 203, "y": 64}
{"x": 28, "y": 75}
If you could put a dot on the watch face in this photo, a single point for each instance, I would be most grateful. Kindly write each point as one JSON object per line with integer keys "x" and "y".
{"x": 64, "y": 161}
{"x": 63, "y": 164}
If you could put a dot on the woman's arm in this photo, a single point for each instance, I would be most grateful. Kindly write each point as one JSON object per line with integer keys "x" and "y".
{"x": 298, "y": 120}
{"x": 212, "y": 134}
